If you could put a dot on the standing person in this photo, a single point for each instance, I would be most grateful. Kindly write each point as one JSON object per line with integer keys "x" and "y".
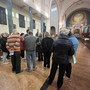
{"x": 27, "y": 32}
{"x": 62, "y": 49}
{"x": 75, "y": 42}
{"x": 0, "y": 41}
{"x": 22, "y": 45}
{"x": 37, "y": 33}
{"x": 3, "y": 47}
{"x": 47, "y": 49}
{"x": 39, "y": 47}
{"x": 13, "y": 45}
{"x": 30, "y": 45}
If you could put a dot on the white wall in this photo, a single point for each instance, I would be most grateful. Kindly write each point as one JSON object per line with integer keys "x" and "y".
{"x": 4, "y": 28}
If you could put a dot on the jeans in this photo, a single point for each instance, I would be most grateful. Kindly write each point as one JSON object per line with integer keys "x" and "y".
{"x": 31, "y": 54}
{"x": 5, "y": 56}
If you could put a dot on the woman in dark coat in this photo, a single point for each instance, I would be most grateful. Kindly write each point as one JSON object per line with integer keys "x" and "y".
{"x": 47, "y": 49}
{"x": 3, "y": 47}
{"x": 39, "y": 48}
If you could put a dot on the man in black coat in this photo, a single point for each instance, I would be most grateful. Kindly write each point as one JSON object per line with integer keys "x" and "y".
{"x": 62, "y": 49}
{"x": 47, "y": 49}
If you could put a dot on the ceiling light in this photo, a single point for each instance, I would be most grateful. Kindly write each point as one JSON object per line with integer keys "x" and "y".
{"x": 38, "y": 8}
{"x": 24, "y": 0}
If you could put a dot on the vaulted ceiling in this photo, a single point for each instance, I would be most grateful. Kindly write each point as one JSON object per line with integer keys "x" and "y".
{"x": 65, "y": 7}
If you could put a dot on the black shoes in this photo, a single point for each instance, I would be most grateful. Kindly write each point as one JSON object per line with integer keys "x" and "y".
{"x": 19, "y": 72}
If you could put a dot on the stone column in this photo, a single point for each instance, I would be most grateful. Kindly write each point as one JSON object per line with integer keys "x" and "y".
{"x": 42, "y": 20}
{"x": 31, "y": 18}
{"x": 10, "y": 19}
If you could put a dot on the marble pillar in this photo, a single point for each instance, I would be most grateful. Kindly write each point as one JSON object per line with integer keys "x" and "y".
{"x": 31, "y": 18}
{"x": 10, "y": 19}
{"x": 42, "y": 20}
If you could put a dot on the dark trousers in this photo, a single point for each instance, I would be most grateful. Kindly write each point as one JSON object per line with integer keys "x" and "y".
{"x": 62, "y": 68}
{"x": 68, "y": 70}
{"x": 8, "y": 55}
{"x": 22, "y": 53}
{"x": 16, "y": 62}
{"x": 47, "y": 59}
{"x": 40, "y": 56}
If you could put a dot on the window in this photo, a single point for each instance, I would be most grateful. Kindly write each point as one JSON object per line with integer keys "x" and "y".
{"x": 3, "y": 16}
{"x": 21, "y": 21}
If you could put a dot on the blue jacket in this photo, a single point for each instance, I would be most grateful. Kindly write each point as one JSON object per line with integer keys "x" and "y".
{"x": 75, "y": 42}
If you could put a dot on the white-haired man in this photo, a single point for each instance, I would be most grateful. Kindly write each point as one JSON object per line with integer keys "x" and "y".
{"x": 62, "y": 49}
{"x": 13, "y": 46}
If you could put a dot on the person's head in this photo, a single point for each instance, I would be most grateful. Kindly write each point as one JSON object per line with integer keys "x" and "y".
{"x": 27, "y": 31}
{"x": 15, "y": 32}
{"x": 30, "y": 33}
{"x": 46, "y": 34}
{"x": 64, "y": 31}
{"x": 5, "y": 34}
{"x": 22, "y": 34}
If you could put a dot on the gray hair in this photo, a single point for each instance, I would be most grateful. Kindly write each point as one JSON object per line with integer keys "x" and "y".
{"x": 15, "y": 32}
{"x": 64, "y": 31}
{"x": 46, "y": 34}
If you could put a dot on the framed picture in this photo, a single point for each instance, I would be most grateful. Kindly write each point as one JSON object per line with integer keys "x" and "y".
{"x": 21, "y": 21}
{"x": 3, "y": 16}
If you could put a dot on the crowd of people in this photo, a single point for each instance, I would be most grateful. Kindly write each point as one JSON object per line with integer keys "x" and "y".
{"x": 15, "y": 46}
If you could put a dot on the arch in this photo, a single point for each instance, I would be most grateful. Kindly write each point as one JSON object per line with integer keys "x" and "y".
{"x": 86, "y": 13}
{"x": 87, "y": 9}
{"x": 57, "y": 5}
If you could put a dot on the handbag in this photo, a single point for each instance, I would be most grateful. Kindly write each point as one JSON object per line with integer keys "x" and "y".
{"x": 72, "y": 59}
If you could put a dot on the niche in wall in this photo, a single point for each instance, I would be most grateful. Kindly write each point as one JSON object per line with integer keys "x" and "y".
{"x": 21, "y": 21}
{"x": 3, "y": 16}
{"x": 53, "y": 30}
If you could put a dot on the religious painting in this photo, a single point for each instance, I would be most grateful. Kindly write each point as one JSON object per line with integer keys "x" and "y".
{"x": 78, "y": 18}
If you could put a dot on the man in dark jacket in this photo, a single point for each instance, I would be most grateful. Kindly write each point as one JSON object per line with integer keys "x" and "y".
{"x": 30, "y": 45}
{"x": 47, "y": 49}
{"x": 62, "y": 49}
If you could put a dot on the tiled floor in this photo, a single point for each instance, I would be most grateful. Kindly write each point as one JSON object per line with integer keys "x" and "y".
{"x": 80, "y": 79}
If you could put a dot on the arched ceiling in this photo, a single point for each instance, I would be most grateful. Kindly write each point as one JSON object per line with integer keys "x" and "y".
{"x": 68, "y": 6}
